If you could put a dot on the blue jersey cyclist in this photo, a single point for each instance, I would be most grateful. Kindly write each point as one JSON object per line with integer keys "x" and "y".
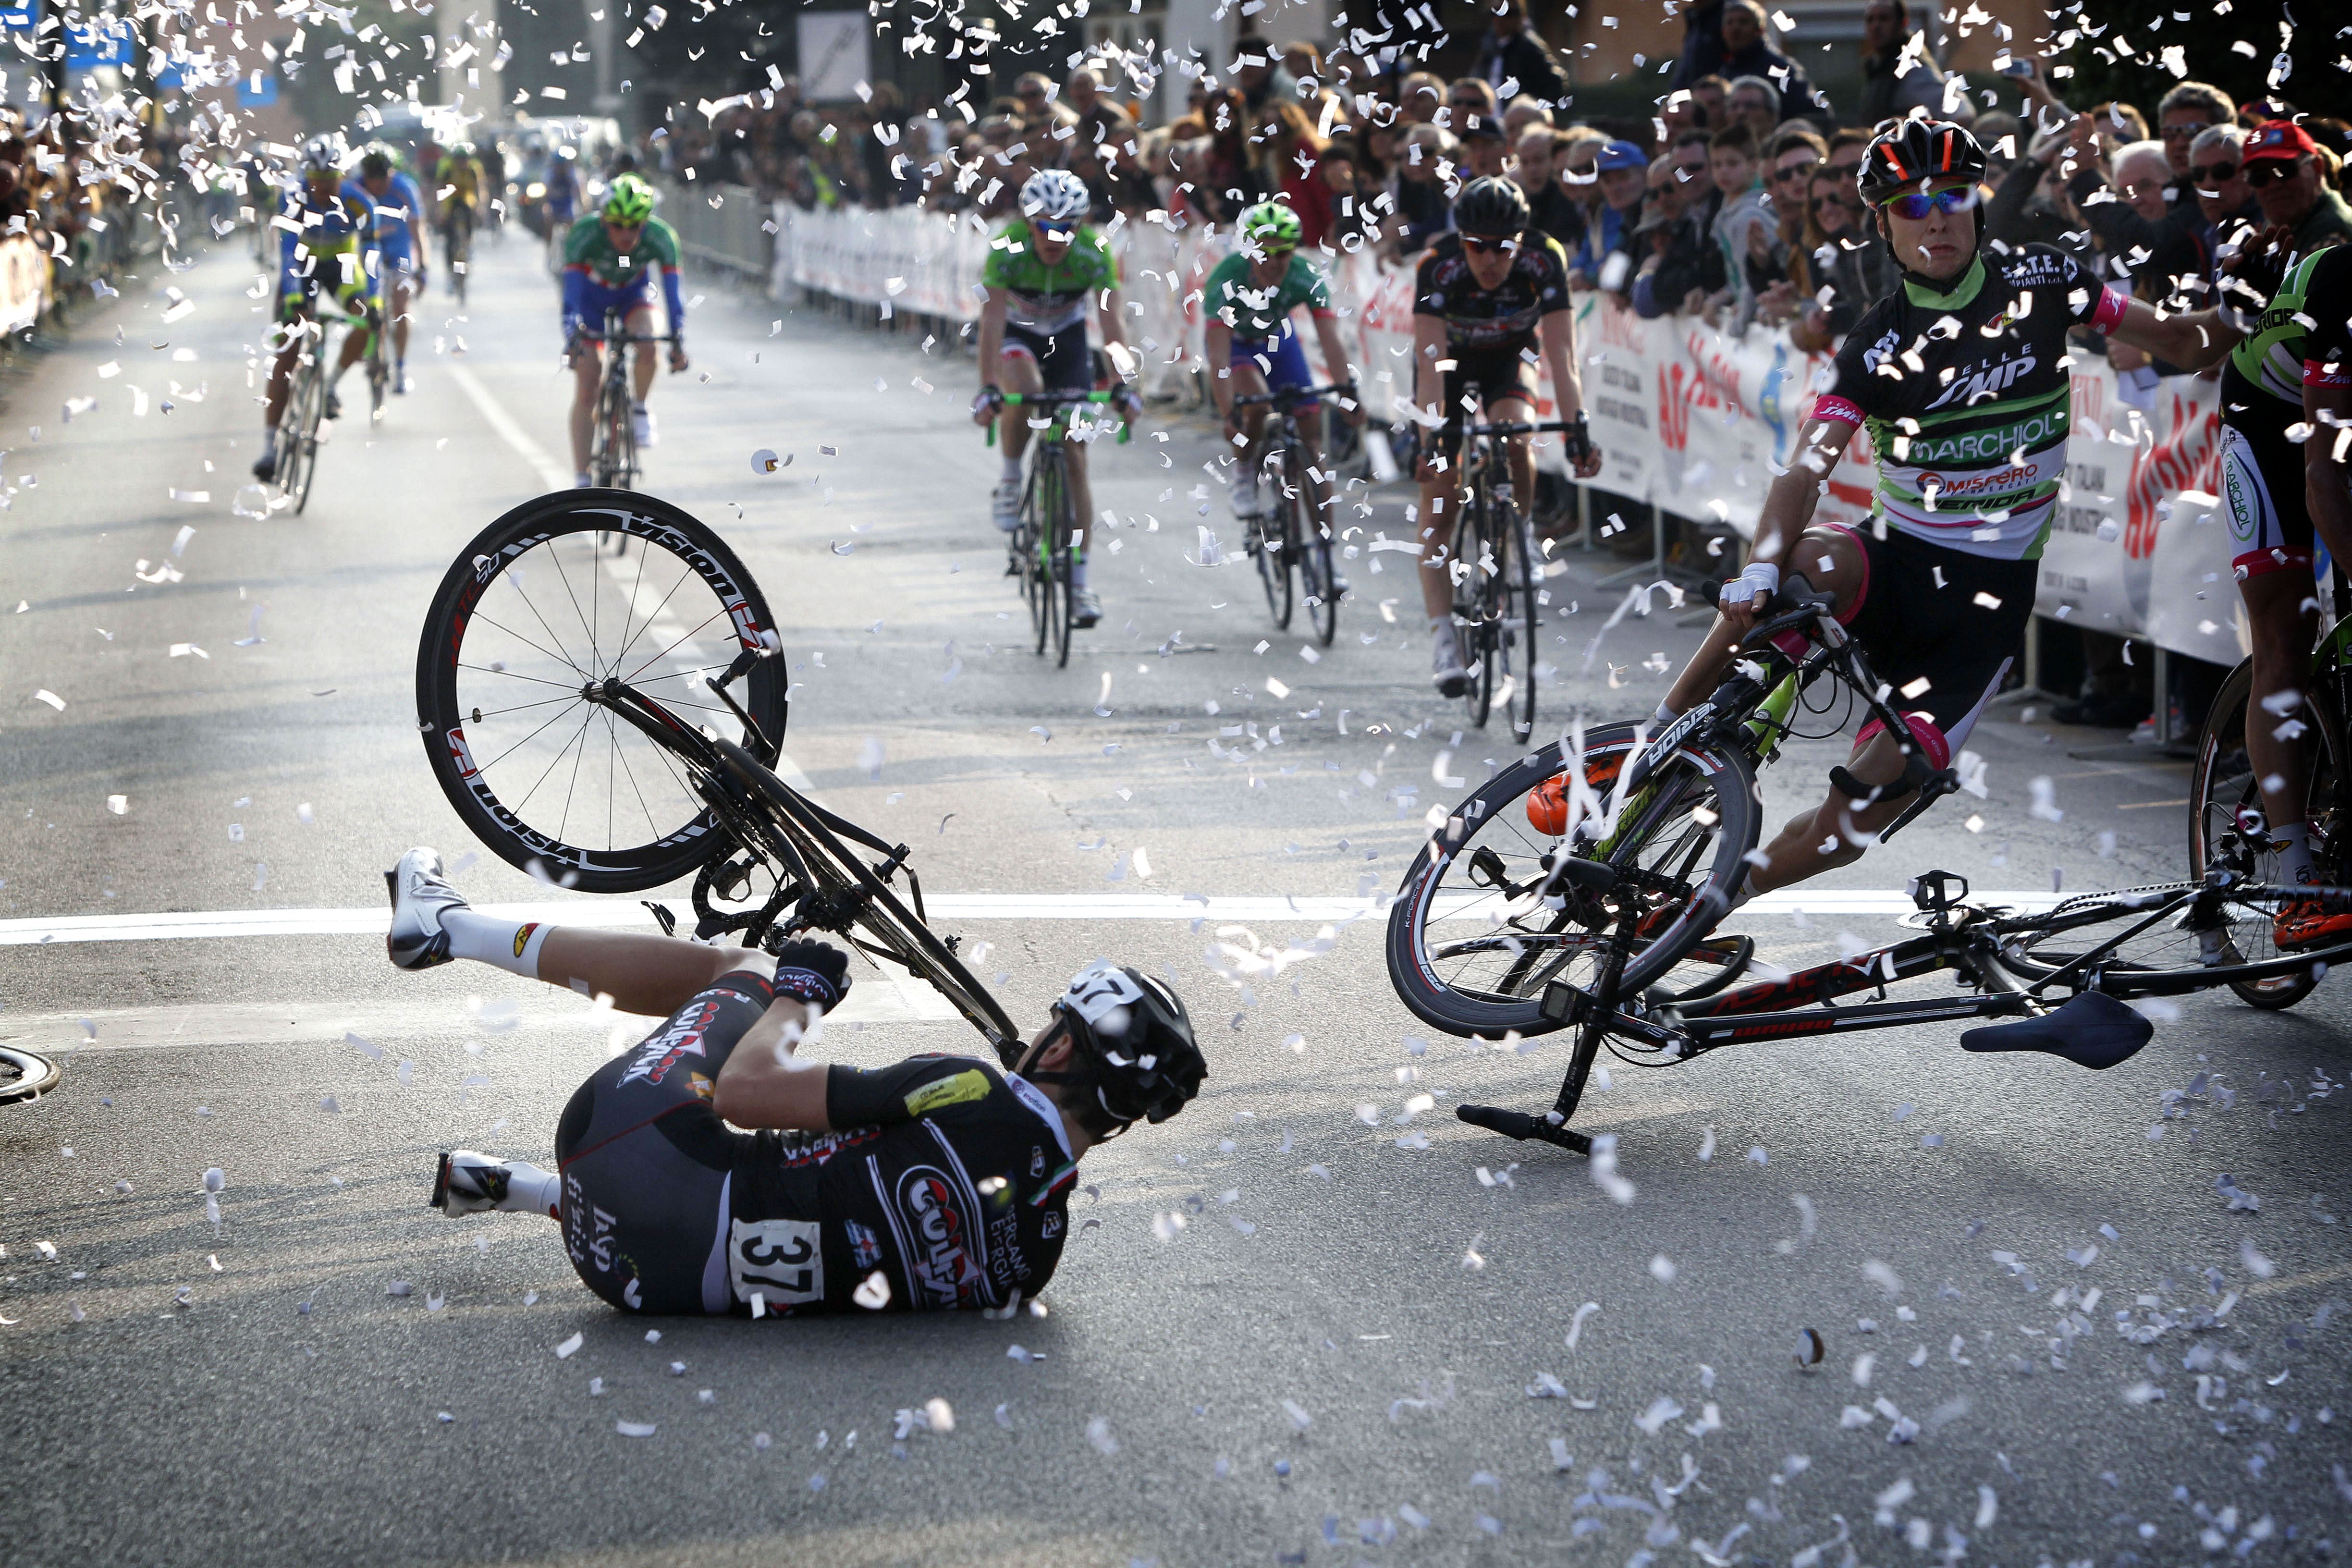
{"x": 1252, "y": 299}
{"x": 330, "y": 252}
{"x": 609, "y": 260}
{"x": 400, "y": 218}
{"x": 711, "y": 1169}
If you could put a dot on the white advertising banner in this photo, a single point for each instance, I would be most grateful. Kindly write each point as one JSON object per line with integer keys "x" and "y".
{"x": 1689, "y": 417}
{"x": 835, "y": 54}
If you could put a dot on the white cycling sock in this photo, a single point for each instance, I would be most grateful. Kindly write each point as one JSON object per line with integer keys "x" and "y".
{"x": 1010, "y": 473}
{"x": 2294, "y": 841}
{"x": 530, "y": 1189}
{"x": 1663, "y": 716}
{"x": 510, "y": 946}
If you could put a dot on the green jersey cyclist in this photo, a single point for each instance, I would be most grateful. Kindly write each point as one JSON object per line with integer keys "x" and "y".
{"x": 1960, "y": 376}
{"x": 1484, "y": 297}
{"x": 1043, "y": 275}
{"x": 609, "y": 260}
{"x": 711, "y": 1169}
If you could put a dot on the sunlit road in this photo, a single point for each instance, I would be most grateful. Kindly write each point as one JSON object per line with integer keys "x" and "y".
{"x": 1311, "y": 1324}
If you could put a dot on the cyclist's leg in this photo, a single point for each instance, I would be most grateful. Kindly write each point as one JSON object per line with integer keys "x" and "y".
{"x": 1247, "y": 382}
{"x": 1834, "y": 559}
{"x": 1518, "y": 405}
{"x": 647, "y": 1162}
{"x": 1017, "y": 371}
{"x": 1441, "y": 495}
{"x": 2271, "y": 539}
{"x": 281, "y": 371}
{"x": 404, "y": 294}
{"x": 647, "y": 363}
{"x": 1066, "y": 366}
{"x": 587, "y": 373}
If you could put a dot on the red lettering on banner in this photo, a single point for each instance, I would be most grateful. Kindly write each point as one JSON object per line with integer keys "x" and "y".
{"x": 2090, "y": 401}
{"x": 1722, "y": 376}
{"x": 1620, "y": 327}
{"x": 2190, "y": 459}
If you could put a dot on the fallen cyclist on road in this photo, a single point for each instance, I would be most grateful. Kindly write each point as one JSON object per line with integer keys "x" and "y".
{"x": 936, "y": 1185}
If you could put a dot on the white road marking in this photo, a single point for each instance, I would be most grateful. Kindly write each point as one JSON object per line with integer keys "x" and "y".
{"x": 944, "y": 908}
{"x": 551, "y": 473}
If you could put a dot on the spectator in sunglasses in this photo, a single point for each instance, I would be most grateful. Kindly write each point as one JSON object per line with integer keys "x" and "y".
{"x": 1850, "y": 260}
{"x": 2293, "y": 177}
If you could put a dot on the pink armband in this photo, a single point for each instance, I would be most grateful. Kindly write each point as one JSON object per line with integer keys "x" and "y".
{"x": 2109, "y": 311}
{"x": 1835, "y": 407}
{"x": 2317, "y": 372}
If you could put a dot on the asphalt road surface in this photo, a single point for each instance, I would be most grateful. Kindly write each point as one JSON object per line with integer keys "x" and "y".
{"x": 1304, "y": 1323}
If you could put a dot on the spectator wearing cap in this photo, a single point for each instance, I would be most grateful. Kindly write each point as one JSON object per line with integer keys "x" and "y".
{"x": 1624, "y": 175}
{"x": 1511, "y": 52}
{"x": 1898, "y": 74}
{"x": 1747, "y": 52}
{"x": 2294, "y": 182}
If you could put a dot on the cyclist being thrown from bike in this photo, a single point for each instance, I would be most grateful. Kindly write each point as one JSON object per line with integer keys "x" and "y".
{"x": 399, "y": 213}
{"x": 1484, "y": 297}
{"x": 940, "y": 1184}
{"x": 1253, "y": 297}
{"x": 608, "y": 265}
{"x": 1042, "y": 274}
{"x": 331, "y": 250}
{"x": 1961, "y": 378}
{"x": 459, "y": 184}
{"x": 2263, "y": 484}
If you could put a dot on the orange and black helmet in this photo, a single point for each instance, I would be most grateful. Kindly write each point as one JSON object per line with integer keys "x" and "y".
{"x": 1909, "y": 153}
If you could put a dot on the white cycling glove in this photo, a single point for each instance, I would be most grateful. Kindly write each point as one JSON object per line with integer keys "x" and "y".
{"x": 1757, "y": 577}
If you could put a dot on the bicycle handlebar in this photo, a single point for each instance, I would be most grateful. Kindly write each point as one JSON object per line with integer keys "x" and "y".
{"x": 1294, "y": 394}
{"x": 1054, "y": 402}
{"x": 1526, "y": 427}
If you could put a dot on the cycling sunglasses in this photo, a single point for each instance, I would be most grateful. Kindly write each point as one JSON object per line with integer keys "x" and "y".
{"x": 1478, "y": 244}
{"x": 1914, "y": 205}
{"x": 2212, "y": 173}
{"x": 1052, "y": 230}
{"x": 2270, "y": 172}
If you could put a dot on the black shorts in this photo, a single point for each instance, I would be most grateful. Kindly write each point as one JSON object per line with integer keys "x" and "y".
{"x": 2263, "y": 493}
{"x": 1960, "y": 634}
{"x": 1496, "y": 373}
{"x": 646, "y": 1160}
{"x": 1062, "y": 358}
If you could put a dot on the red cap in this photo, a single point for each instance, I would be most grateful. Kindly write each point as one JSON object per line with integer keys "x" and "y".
{"x": 2277, "y": 141}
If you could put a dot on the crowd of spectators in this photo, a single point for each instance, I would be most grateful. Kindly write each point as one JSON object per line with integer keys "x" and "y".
{"x": 1736, "y": 201}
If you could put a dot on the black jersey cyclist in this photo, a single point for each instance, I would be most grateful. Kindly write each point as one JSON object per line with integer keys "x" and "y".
{"x": 1044, "y": 273}
{"x": 1484, "y": 297}
{"x": 2263, "y": 486}
{"x": 940, "y": 1184}
{"x": 1960, "y": 376}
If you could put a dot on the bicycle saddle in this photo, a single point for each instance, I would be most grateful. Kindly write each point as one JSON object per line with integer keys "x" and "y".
{"x": 2094, "y": 1030}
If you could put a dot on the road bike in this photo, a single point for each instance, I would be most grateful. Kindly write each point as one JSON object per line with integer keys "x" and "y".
{"x": 612, "y": 438}
{"x": 1291, "y": 535}
{"x": 1495, "y": 570}
{"x": 1580, "y": 887}
{"x": 2227, "y": 823}
{"x": 457, "y": 245}
{"x": 304, "y": 412}
{"x": 1050, "y": 541}
{"x": 613, "y": 724}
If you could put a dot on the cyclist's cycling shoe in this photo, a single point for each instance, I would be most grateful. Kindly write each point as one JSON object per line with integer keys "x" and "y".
{"x": 1084, "y": 608}
{"x": 265, "y": 466}
{"x": 583, "y": 481}
{"x": 1446, "y": 671}
{"x": 2307, "y": 922}
{"x": 641, "y": 426}
{"x": 334, "y": 407}
{"x": 1246, "y": 503}
{"x": 401, "y": 383}
{"x": 1004, "y": 506}
{"x": 467, "y": 1183}
{"x": 419, "y": 896}
{"x": 2094, "y": 1030}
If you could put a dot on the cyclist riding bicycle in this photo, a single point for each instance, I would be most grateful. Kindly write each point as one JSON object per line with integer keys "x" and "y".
{"x": 1484, "y": 297}
{"x": 329, "y": 249}
{"x": 2264, "y": 486}
{"x": 609, "y": 259}
{"x": 940, "y": 1184}
{"x": 562, "y": 198}
{"x": 459, "y": 183}
{"x": 1044, "y": 272}
{"x": 399, "y": 213}
{"x": 1960, "y": 377}
{"x": 1251, "y": 296}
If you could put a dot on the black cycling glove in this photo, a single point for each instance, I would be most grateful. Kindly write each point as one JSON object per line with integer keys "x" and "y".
{"x": 813, "y": 972}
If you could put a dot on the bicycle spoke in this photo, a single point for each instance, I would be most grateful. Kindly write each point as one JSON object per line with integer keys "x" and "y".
{"x": 715, "y": 615}
{"x": 586, "y": 721}
{"x": 523, "y": 593}
{"x": 479, "y": 714}
{"x": 565, "y": 578}
{"x": 513, "y": 675}
{"x": 527, "y": 740}
{"x": 684, "y": 576}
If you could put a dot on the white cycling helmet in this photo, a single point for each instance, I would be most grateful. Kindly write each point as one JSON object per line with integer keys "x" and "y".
{"x": 1056, "y": 195}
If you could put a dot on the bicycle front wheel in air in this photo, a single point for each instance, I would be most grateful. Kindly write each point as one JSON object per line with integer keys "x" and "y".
{"x": 1479, "y": 926}
{"x": 1310, "y": 532}
{"x": 529, "y": 615}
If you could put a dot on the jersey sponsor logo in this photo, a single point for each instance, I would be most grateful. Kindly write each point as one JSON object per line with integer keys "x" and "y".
{"x": 794, "y": 1150}
{"x": 782, "y": 1260}
{"x": 1883, "y": 349}
{"x": 864, "y": 1246}
{"x": 522, "y": 937}
{"x": 939, "y": 1262}
{"x": 2023, "y": 475}
{"x": 1037, "y": 1161}
{"x": 681, "y": 1038}
{"x": 963, "y": 1088}
{"x": 2038, "y": 266}
{"x": 1049, "y": 1224}
{"x": 1984, "y": 380}
{"x": 2044, "y": 429}
{"x": 1005, "y": 1264}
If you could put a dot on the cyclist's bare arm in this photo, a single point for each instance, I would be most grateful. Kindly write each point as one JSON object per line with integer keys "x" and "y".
{"x": 1558, "y": 329}
{"x": 763, "y": 1084}
{"x": 2328, "y": 464}
{"x": 2197, "y": 340}
{"x": 1788, "y": 508}
{"x": 1428, "y": 381}
{"x": 992, "y": 348}
{"x": 1334, "y": 361}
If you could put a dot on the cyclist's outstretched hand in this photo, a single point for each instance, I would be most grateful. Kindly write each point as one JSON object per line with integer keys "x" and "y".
{"x": 1746, "y": 597}
{"x": 1352, "y": 411}
{"x": 985, "y": 404}
{"x": 678, "y": 360}
{"x": 1128, "y": 403}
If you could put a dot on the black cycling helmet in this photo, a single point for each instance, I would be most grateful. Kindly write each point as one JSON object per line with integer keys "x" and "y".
{"x": 1133, "y": 1032}
{"x": 1908, "y": 154}
{"x": 375, "y": 163}
{"x": 1491, "y": 208}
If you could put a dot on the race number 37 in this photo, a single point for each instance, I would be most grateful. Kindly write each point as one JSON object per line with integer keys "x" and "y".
{"x": 1100, "y": 989}
{"x": 780, "y": 1259}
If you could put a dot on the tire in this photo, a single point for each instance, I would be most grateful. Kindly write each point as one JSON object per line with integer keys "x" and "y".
{"x": 1472, "y": 609}
{"x": 24, "y": 1076}
{"x": 836, "y": 868}
{"x": 1517, "y": 585}
{"x": 495, "y": 600}
{"x": 1270, "y": 530}
{"x": 1045, "y": 498}
{"x": 2222, "y": 786}
{"x": 1312, "y": 536}
{"x": 2164, "y": 959}
{"x": 312, "y": 413}
{"x": 1064, "y": 573}
{"x": 1475, "y": 984}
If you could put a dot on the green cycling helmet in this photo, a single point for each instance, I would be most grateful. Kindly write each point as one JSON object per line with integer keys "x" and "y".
{"x": 630, "y": 200}
{"x": 1270, "y": 225}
